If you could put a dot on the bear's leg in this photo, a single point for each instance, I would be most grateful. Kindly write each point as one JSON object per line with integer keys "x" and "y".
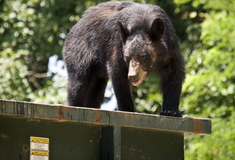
{"x": 95, "y": 94}
{"x": 121, "y": 86}
{"x": 171, "y": 87}
{"x": 77, "y": 90}
{"x": 171, "y": 98}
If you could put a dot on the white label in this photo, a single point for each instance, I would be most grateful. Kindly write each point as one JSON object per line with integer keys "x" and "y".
{"x": 39, "y": 143}
{"x": 39, "y": 146}
{"x": 33, "y": 157}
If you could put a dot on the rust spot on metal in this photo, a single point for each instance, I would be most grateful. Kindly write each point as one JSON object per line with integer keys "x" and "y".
{"x": 197, "y": 126}
{"x": 97, "y": 116}
{"x": 60, "y": 117}
{"x": 3, "y": 135}
{"x": 61, "y": 107}
{"x": 61, "y": 113}
{"x": 25, "y": 147}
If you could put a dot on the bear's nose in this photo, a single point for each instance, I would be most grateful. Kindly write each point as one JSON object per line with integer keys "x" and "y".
{"x": 133, "y": 78}
{"x": 133, "y": 71}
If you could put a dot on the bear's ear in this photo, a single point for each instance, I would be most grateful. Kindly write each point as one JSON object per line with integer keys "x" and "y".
{"x": 157, "y": 29}
{"x": 123, "y": 31}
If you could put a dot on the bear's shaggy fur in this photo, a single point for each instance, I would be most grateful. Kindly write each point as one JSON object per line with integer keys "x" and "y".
{"x": 123, "y": 41}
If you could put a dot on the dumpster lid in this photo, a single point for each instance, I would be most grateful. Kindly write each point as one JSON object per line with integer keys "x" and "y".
{"x": 62, "y": 113}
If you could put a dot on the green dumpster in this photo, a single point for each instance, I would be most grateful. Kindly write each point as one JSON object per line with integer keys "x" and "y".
{"x": 57, "y": 132}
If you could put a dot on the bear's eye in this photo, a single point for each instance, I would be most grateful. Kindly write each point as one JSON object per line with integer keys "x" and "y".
{"x": 144, "y": 56}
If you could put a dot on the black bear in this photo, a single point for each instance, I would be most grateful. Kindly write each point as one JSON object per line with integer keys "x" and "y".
{"x": 123, "y": 41}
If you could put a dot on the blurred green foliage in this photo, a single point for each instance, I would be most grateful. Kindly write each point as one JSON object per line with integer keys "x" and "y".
{"x": 209, "y": 89}
{"x": 31, "y": 31}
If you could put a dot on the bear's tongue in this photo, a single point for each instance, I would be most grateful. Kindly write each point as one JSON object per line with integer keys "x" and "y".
{"x": 140, "y": 80}
{"x": 137, "y": 83}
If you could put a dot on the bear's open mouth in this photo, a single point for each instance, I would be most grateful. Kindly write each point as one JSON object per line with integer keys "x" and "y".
{"x": 136, "y": 83}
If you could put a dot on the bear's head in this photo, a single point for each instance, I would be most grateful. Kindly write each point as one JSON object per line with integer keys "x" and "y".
{"x": 140, "y": 48}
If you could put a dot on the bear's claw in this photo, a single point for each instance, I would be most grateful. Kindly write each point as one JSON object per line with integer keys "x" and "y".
{"x": 171, "y": 113}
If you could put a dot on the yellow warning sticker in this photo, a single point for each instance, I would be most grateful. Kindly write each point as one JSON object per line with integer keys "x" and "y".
{"x": 39, "y": 140}
{"x": 39, "y": 153}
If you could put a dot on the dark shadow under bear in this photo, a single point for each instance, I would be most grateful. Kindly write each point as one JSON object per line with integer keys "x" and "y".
{"x": 123, "y": 41}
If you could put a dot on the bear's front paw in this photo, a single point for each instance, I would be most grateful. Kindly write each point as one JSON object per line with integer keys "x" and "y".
{"x": 171, "y": 113}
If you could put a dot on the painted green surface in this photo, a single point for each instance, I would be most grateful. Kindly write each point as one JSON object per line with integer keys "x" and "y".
{"x": 67, "y": 140}
{"x": 62, "y": 113}
{"x": 92, "y": 134}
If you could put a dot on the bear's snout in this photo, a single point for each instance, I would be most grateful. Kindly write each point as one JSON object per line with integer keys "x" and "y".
{"x": 136, "y": 74}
